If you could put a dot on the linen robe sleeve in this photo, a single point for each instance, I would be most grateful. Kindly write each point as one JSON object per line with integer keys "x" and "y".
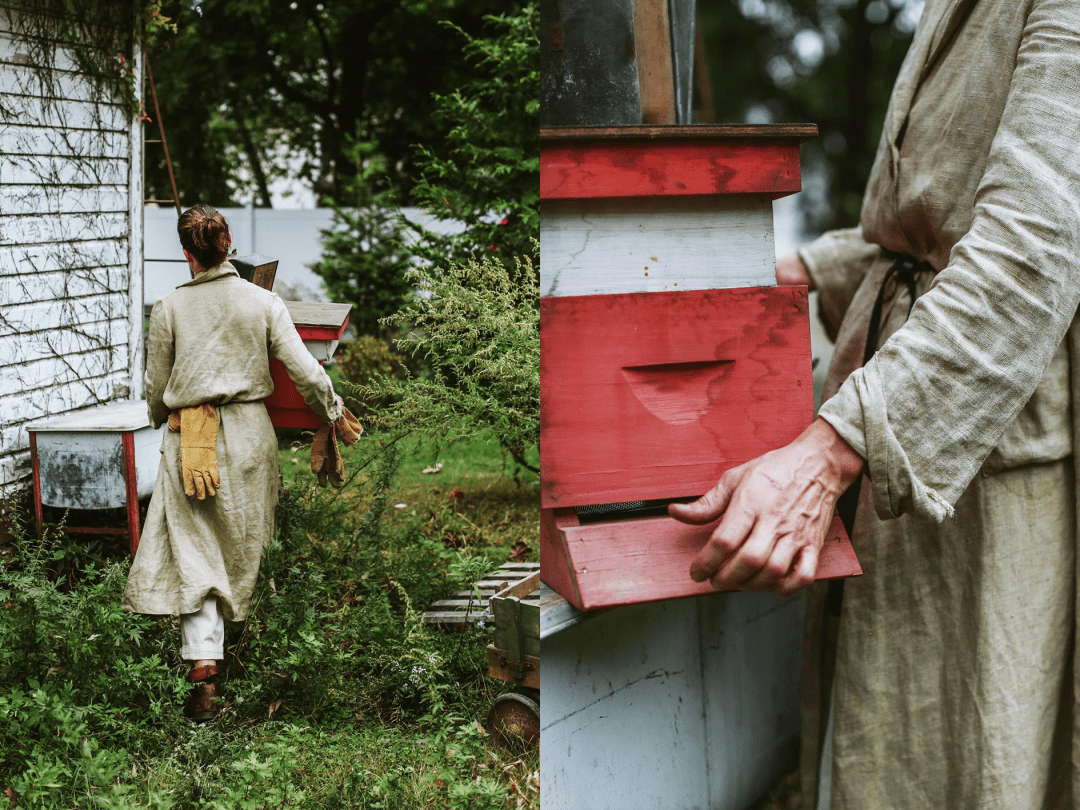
{"x": 160, "y": 353}
{"x": 934, "y": 400}
{"x": 837, "y": 262}
{"x": 311, "y": 381}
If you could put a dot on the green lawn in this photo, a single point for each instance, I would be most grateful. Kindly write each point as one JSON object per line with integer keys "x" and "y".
{"x": 478, "y": 499}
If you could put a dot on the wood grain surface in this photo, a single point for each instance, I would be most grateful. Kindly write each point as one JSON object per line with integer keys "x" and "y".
{"x": 654, "y": 396}
{"x": 319, "y": 315}
{"x": 663, "y": 168}
{"x": 693, "y": 132}
{"x": 593, "y": 247}
{"x": 632, "y": 561}
{"x": 115, "y": 417}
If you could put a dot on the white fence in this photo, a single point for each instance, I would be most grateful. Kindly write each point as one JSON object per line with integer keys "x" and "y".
{"x": 292, "y": 236}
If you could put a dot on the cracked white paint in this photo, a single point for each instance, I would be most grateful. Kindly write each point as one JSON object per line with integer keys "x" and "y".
{"x": 70, "y": 306}
{"x": 593, "y": 247}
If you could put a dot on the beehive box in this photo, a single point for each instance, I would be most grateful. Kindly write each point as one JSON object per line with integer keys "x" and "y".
{"x": 514, "y": 654}
{"x": 259, "y": 270}
{"x": 320, "y": 325}
{"x": 80, "y": 456}
{"x": 668, "y": 355}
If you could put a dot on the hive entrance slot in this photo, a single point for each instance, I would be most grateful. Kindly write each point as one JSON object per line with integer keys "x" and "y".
{"x": 678, "y": 393}
{"x": 605, "y": 512}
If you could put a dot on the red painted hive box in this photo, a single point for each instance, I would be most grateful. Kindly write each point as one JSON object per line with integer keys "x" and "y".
{"x": 320, "y": 325}
{"x": 649, "y": 397}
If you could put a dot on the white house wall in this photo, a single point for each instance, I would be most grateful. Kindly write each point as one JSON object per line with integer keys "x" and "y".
{"x": 70, "y": 250}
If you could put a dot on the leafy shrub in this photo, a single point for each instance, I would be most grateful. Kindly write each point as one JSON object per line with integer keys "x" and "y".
{"x": 489, "y": 179}
{"x": 81, "y": 682}
{"x": 335, "y": 625}
{"x": 365, "y": 361}
{"x": 477, "y": 327}
{"x": 337, "y": 694}
{"x": 365, "y": 259}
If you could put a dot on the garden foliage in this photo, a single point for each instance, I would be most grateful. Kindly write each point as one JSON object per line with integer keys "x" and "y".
{"x": 476, "y": 327}
{"x": 489, "y": 179}
{"x": 365, "y": 361}
{"x": 338, "y": 696}
{"x": 254, "y": 91}
{"x": 478, "y": 170}
{"x": 365, "y": 260}
{"x": 470, "y": 319}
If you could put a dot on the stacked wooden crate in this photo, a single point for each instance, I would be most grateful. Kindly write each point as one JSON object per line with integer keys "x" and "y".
{"x": 472, "y": 606}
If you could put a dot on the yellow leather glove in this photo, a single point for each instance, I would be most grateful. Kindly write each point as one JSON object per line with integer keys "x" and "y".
{"x": 198, "y": 449}
{"x": 326, "y": 462}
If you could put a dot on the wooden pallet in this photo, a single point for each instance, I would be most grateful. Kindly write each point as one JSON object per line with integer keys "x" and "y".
{"x": 462, "y": 608}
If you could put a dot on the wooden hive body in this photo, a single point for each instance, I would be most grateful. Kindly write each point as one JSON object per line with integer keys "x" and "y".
{"x": 320, "y": 325}
{"x": 668, "y": 355}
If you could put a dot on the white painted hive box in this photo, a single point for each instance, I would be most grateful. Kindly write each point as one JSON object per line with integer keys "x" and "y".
{"x": 80, "y": 455}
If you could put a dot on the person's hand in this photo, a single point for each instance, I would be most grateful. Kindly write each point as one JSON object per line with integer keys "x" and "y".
{"x": 791, "y": 272}
{"x": 776, "y": 510}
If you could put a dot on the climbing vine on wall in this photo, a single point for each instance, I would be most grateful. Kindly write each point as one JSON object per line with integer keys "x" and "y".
{"x": 99, "y": 36}
{"x": 71, "y": 82}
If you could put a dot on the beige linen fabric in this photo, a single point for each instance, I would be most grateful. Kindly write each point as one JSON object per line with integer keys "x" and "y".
{"x": 210, "y": 341}
{"x": 954, "y": 682}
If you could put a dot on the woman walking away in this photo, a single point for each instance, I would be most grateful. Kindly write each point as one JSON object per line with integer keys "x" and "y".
{"x": 212, "y": 510}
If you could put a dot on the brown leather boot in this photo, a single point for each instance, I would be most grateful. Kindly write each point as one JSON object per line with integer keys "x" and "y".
{"x": 202, "y": 703}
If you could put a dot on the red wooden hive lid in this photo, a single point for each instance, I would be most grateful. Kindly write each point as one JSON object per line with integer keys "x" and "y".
{"x": 606, "y": 162}
{"x": 319, "y": 320}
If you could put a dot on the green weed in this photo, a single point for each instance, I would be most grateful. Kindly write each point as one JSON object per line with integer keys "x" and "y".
{"x": 337, "y": 694}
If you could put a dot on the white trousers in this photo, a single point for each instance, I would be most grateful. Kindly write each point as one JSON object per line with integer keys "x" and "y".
{"x": 202, "y": 634}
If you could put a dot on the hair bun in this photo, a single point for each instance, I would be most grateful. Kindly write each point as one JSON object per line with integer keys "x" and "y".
{"x": 204, "y": 233}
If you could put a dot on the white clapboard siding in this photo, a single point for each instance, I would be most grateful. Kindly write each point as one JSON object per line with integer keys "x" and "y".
{"x": 13, "y": 468}
{"x": 28, "y": 348}
{"x": 19, "y": 54}
{"x": 30, "y": 288}
{"x": 20, "y": 80}
{"x": 29, "y": 230}
{"x": 92, "y": 254}
{"x": 70, "y": 271}
{"x": 13, "y": 438}
{"x": 67, "y": 114}
{"x": 67, "y": 368}
{"x": 71, "y": 143}
{"x": 27, "y": 406}
{"x": 62, "y": 313}
{"x": 30, "y": 169}
{"x": 55, "y": 200}
{"x": 589, "y": 247}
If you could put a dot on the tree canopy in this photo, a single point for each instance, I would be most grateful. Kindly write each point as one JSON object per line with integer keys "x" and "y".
{"x": 827, "y": 62}
{"x": 253, "y": 90}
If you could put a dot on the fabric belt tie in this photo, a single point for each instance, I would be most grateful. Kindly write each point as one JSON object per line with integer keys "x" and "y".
{"x": 904, "y": 270}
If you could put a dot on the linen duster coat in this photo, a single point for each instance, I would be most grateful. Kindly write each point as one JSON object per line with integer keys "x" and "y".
{"x": 955, "y": 676}
{"x": 210, "y": 341}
